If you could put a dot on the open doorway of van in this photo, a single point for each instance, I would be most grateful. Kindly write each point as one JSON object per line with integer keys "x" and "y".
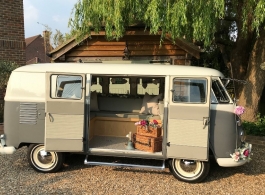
{"x": 117, "y": 103}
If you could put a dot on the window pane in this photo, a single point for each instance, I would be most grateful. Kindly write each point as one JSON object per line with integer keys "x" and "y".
{"x": 65, "y": 86}
{"x": 119, "y": 85}
{"x": 220, "y": 92}
{"x": 96, "y": 84}
{"x": 148, "y": 85}
{"x": 189, "y": 90}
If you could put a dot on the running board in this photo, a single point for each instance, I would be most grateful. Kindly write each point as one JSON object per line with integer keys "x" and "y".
{"x": 125, "y": 165}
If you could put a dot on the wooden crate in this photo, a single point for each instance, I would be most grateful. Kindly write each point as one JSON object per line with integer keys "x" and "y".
{"x": 150, "y": 131}
{"x": 148, "y": 144}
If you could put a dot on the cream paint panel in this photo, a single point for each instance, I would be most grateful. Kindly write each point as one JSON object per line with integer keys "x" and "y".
{"x": 64, "y": 121}
{"x": 116, "y": 69}
{"x": 185, "y": 112}
{"x": 26, "y": 87}
{"x": 57, "y": 129}
{"x": 181, "y": 133}
{"x": 187, "y": 152}
{"x": 186, "y": 128}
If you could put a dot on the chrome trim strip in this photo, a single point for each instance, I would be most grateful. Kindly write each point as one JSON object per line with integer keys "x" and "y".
{"x": 125, "y": 165}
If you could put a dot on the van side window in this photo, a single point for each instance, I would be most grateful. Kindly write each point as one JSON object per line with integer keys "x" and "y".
{"x": 66, "y": 86}
{"x": 219, "y": 92}
{"x": 189, "y": 90}
{"x": 119, "y": 85}
{"x": 148, "y": 85}
{"x": 96, "y": 84}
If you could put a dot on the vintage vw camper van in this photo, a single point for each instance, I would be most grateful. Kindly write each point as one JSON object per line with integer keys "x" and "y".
{"x": 106, "y": 110}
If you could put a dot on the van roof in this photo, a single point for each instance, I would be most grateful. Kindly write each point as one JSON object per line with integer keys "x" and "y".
{"x": 114, "y": 69}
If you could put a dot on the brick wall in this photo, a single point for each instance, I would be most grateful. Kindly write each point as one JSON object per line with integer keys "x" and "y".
{"x": 12, "y": 36}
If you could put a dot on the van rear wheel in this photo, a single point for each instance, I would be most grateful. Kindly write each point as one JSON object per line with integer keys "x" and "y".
{"x": 191, "y": 171}
{"x": 42, "y": 161}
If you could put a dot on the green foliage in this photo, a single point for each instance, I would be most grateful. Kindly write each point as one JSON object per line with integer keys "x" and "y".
{"x": 192, "y": 19}
{"x": 196, "y": 20}
{"x": 255, "y": 128}
{"x": 6, "y": 68}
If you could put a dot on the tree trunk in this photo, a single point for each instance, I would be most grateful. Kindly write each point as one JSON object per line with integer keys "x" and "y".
{"x": 250, "y": 95}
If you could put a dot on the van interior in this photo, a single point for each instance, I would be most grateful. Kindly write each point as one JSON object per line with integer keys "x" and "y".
{"x": 117, "y": 103}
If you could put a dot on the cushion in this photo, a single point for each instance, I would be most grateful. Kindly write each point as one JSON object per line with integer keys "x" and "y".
{"x": 146, "y": 98}
{"x": 94, "y": 101}
{"x": 150, "y": 104}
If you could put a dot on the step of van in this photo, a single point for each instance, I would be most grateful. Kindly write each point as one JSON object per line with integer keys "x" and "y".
{"x": 92, "y": 163}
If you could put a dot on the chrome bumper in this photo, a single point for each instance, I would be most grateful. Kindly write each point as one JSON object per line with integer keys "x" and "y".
{"x": 229, "y": 162}
{"x": 5, "y": 149}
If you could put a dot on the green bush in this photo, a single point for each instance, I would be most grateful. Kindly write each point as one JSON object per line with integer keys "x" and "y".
{"x": 255, "y": 128}
{"x": 6, "y": 68}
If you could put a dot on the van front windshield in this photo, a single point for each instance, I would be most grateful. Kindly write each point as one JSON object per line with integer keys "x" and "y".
{"x": 218, "y": 93}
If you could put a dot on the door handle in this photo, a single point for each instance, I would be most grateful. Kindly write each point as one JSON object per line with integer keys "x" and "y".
{"x": 206, "y": 121}
{"x": 50, "y": 117}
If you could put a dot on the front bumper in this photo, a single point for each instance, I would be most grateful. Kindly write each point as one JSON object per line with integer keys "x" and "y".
{"x": 5, "y": 149}
{"x": 238, "y": 158}
{"x": 229, "y": 162}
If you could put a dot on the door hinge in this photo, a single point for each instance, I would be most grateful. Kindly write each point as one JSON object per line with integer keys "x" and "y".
{"x": 83, "y": 139}
{"x": 168, "y": 144}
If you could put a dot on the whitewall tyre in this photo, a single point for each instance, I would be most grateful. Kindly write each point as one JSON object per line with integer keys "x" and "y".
{"x": 42, "y": 161}
{"x": 191, "y": 171}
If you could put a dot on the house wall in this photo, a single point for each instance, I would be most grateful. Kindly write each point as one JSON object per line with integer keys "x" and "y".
{"x": 36, "y": 53}
{"x": 12, "y": 36}
{"x": 141, "y": 47}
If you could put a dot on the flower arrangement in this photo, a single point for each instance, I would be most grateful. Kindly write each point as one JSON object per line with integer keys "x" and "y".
{"x": 146, "y": 123}
{"x": 242, "y": 153}
{"x": 239, "y": 110}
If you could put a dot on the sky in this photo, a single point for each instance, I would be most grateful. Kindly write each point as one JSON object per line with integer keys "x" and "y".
{"x": 52, "y": 13}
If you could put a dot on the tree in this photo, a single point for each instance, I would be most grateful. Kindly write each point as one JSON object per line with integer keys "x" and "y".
{"x": 235, "y": 26}
{"x": 56, "y": 39}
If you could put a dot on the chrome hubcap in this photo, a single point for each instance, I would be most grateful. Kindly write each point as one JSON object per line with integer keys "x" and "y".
{"x": 188, "y": 166}
{"x": 44, "y": 157}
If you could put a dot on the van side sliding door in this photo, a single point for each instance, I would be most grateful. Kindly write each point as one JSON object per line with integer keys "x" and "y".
{"x": 65, "y": 105}
{"x": 188, "y": 118}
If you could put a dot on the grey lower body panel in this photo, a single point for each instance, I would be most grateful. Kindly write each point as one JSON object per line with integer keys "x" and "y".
{"x": 24, "y": 122}
{"x": 223, "y": 135}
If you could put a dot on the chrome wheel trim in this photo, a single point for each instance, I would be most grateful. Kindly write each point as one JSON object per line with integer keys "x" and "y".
{"x": 188, "y": 169}
{"x": 43, "y": 160}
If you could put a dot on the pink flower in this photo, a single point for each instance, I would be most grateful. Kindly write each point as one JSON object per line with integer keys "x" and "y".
{"x": 237, "y": 153}
{"x": 236, "y": 158}
{"x": 246, "y": 153}
{"x": 239, "y": 110}
{"x": 155, "y": 122}
{"x": 143, "y": 123}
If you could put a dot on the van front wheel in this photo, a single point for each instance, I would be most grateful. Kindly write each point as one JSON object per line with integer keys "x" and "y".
{"x": 42, "y": 161}
{"x": 191, "y": 171}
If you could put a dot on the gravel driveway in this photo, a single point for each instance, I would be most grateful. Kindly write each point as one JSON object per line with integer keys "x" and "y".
{"x": 17, "y": 177}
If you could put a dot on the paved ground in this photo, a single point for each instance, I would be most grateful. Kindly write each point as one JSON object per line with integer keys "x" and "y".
{"x": 17, "y": 177}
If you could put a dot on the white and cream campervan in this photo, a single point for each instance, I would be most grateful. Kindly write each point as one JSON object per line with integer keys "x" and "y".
{"x": 96, "y": 109}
